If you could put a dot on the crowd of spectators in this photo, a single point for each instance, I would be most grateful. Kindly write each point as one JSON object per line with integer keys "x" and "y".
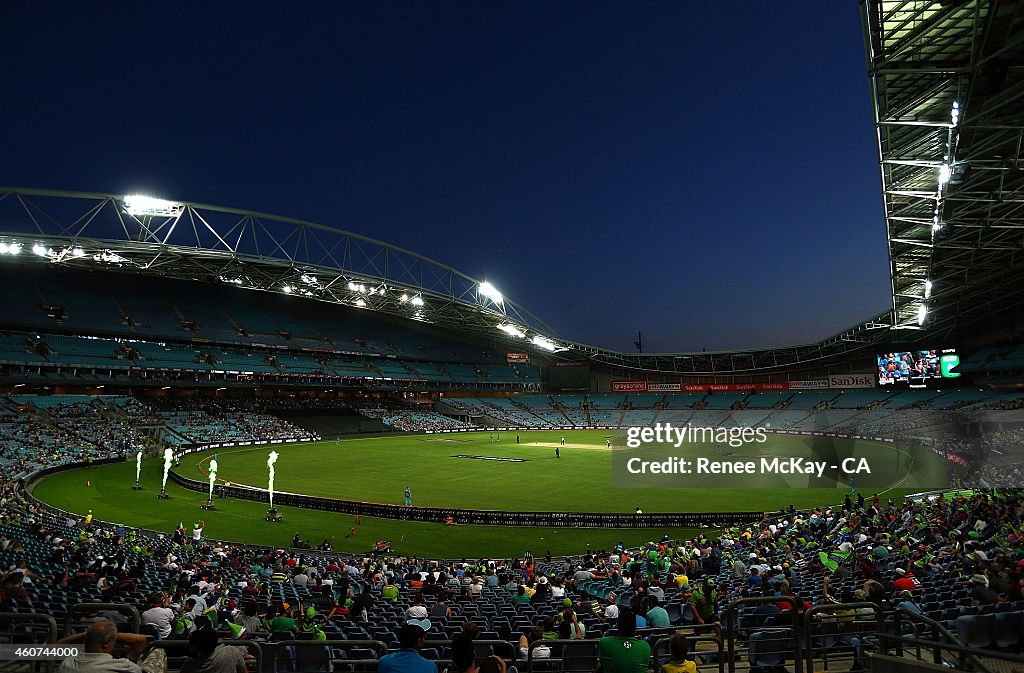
{"x": 948, "y": 557}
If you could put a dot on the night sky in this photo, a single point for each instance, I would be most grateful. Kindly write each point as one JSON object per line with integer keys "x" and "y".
{"x": 703, "y": 172}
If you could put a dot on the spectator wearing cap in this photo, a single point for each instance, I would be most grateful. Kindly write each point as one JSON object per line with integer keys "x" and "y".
{"x": 704, "y": 606}
{"x": 408, "y": 658}
{"x": 904, "y": 582}
{"x": 981, "y": 593}
{"x": 907, "y": 603}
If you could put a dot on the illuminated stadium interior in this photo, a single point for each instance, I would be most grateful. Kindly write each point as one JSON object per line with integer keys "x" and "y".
{"x": 171, "y": 369}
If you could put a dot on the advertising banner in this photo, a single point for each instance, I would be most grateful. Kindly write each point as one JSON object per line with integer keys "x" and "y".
{"x": 629, "y": 386}
{"x": 812, "y": 384}
{"x": 851, "y": 381}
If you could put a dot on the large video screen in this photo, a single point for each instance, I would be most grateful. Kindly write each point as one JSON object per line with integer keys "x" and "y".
{"x": 917, "y": 368}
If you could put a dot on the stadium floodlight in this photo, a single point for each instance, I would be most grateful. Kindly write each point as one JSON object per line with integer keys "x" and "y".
{"x": 491, "y": 292}
{"x": 360, "y": 302}
{"x": 416, "y": 301}
{"x": 10, "y": 248}
{"x": 148, "y": 206}
{"x": 922, "y": 313}
{"x": 308, "y": 279}
{"x": 944, "y": 174}
{"x": 543, "y": 342}
{"x": 109, "y": 257}
{"x": 39, "y": 250}
{"x": 404, "y": 298}
{"x": 927, "y": 289}
{"x": 954, "y": 113}
{"x": 288, "y": 289}
{"x": 512, "y": 330}
{"x": 77, "y": 252}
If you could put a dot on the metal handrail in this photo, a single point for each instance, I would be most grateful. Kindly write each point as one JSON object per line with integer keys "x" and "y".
{"x": 732, "y": 623}
{"x": 123, "y": 608}
{"x": 809, "y": 621}
{"x": 252, "y": 646}
{"x": 663, "y": 643}
{"x": 35, "y": 618}
{"x": 954, "y": 645}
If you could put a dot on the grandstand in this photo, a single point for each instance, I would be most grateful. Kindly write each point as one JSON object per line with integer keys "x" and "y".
{"x": 129, "y": 335}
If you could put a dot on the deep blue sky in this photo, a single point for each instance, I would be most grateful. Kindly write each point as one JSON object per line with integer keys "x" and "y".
{"x": 704, "y": 172}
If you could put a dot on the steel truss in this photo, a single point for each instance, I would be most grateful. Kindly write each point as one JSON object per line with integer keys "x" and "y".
{"x": 253, "y": 251}
{"x": 947, "y": 80}
{"x": 275, "y": 254}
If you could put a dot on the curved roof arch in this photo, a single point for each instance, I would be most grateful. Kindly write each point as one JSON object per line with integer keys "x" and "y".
{"x": 252, "y": 250}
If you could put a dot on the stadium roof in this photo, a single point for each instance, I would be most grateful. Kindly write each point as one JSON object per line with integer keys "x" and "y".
{"x": 191, "y": 241}
{"x": 947, "y": 79}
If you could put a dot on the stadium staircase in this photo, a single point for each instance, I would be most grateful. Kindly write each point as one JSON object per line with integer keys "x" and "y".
{"x": 333, "y": 425}
{"x": 528, "y": 410}
{"x": 560, "y": 408}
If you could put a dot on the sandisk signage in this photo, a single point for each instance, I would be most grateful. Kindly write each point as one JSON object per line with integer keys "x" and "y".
{"x": 813, "y": 384}
{"x": 663, "y": 387}
{"x": 734, "y": 387}
{"x": 629, "y": 386}
{"x": 851, "y": 381}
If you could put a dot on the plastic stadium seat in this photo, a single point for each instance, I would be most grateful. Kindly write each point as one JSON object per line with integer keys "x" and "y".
{"x": 976, "y": 631}
{"x": 770, "y": 648}
{"x": 1007, "y": 629}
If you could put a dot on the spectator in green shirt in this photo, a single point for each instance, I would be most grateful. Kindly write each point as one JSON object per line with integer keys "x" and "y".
{"x": 283, "y": 620}
{"x": 623, "y": 652}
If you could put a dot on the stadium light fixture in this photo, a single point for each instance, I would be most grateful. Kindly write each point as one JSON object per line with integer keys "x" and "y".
{"x": 360, "y": 302}
{"x": 77, "y": 252}
{"x": 944, "y": 174}
{"x": 10, "y": 248}
{"x": 404, "y": 298}
{"x": 922, "y": 313}
{"x": 416, "y": 301}
{"x": 512, "y": 330}
{"x": 109, "y": 257}
{"x": 491, "y": 292}
{"x": 308, "y": 279}
{"x": 543, "y": 342}
{"x": 927, "y": 289}
{"x": 954, "y": 114}
{"x": 148, "y": 206}
{"x": 288, "y": 289}
{"x": 39, "y": 250}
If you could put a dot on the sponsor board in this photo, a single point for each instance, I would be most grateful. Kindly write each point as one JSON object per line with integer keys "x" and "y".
{"x": 629, "y": 386}
{"x": 811, "y": 384}
{"x": 733, "y": 387}
{"x": 851, "y": 381}
{"x": 664, "y": 387}
{"x": 517, "y": 357}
